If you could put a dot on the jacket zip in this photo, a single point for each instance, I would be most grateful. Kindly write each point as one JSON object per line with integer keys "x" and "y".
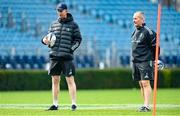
{"x": 60, "y": 36}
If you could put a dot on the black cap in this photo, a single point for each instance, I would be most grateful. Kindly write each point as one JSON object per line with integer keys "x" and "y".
{"x": 61, "y": 7}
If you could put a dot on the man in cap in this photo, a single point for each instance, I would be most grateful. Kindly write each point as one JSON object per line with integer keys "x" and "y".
{"x": 68, "y": 39}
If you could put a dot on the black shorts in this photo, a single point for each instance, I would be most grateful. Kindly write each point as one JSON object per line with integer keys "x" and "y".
{"x": 143, "y": 71}
{"x": 61, "y": 67}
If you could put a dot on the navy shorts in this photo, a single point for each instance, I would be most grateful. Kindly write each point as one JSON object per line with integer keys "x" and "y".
{"x": 143, "y": 71}
{"x": 64, "y": 67}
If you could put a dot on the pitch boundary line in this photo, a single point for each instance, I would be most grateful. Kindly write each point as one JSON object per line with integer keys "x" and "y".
{"x": 86, "y": 106}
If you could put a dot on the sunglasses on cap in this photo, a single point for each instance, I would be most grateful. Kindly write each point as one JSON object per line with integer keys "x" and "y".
{"x": 59, "y": 10}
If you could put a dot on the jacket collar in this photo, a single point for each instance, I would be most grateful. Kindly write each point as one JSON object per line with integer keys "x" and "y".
{"x": 68, "y": 19}
{"x": 140, "y": 27}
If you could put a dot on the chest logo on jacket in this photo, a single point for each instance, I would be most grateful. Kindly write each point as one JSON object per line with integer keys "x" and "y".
{"x": 138, "y": 39}
{"x": 67, "y": 29}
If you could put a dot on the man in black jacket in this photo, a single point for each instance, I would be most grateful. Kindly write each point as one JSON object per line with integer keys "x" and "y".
{"x": 68, "y": 39}
{"x": 143, "y": 55}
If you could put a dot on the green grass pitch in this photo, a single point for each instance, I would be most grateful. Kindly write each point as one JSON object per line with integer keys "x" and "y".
{"x": 90, "y": 103}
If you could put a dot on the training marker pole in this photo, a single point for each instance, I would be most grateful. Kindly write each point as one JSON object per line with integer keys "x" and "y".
{"x": 156, "y": 58}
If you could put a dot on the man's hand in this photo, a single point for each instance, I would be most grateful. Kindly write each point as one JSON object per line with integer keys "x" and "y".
{"x": 46, "y": 41}
{"x": 49, "y": 39}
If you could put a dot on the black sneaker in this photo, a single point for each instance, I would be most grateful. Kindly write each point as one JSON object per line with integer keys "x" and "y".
{"x": 73, "y": 107}
{"x": 53, "y": 107}
{"x": 144, "y": 109}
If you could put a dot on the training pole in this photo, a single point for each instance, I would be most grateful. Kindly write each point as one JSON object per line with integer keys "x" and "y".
{"x": 156, "y": 58}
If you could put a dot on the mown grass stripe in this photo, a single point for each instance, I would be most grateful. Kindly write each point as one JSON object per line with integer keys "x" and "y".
{"x": 85, "y": 106}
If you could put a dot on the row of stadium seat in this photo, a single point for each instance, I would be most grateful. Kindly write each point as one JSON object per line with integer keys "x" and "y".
{"x": 85, "y": 61}
{"x": 40, "y": 62}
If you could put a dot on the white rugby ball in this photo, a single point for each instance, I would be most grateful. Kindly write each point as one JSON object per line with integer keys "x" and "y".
{"x": 160, "y": 65}
{"x": 51, "y": 38}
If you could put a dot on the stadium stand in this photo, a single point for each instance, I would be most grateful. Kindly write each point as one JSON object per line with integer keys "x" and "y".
{"x": 106, "y": 27}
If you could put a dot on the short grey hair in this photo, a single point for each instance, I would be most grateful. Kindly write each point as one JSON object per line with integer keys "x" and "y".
{"x": 142, "y": 15}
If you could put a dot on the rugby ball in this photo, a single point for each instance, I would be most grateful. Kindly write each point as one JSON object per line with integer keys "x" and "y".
{"x": 51, "y": 38}
{"x": 160, "y": 65}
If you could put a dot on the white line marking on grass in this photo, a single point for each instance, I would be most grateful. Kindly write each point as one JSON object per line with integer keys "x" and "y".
{"x": 86, "y": 106}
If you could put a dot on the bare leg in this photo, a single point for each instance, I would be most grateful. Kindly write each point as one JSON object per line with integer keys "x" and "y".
{"x": 55, "y": 89}
{"x": 147, "y": 91}
{"x": 72, "y": 88}
{"x": 142, "y": 91}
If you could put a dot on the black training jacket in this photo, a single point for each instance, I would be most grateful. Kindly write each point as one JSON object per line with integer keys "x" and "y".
{"x": 143, "y": 44}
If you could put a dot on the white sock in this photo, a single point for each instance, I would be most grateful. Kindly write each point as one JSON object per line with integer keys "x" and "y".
{"x": 55, "y": 102}
{"x": 147, "y": 106}
{"x": 73, "y": 103}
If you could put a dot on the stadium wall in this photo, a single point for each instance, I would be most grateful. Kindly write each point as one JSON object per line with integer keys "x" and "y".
{"x": 85, "y": 79}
